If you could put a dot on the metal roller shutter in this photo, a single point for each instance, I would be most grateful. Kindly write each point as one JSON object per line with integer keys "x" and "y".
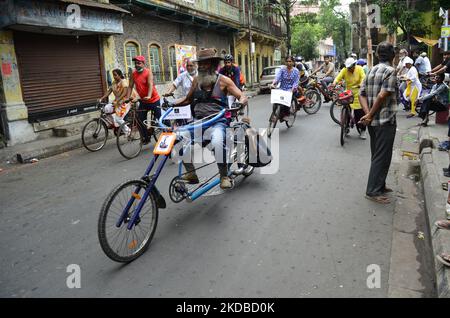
{"x": 58, "y": 73}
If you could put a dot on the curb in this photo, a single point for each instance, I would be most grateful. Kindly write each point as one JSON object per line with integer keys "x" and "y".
{"x": 435, "y": 209}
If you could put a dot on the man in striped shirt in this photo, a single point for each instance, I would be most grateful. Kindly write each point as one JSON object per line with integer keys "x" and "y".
{"x": 378, "y": 97}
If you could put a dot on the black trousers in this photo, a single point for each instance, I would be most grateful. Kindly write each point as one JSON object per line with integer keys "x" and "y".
{"x": 430, "y": 105}
{"x": 381, "y": 144}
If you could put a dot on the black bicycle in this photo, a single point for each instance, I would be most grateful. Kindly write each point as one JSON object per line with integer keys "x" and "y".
{"x": 130, "y": 136}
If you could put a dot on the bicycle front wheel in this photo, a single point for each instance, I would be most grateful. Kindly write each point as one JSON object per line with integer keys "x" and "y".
{"x": 344, "y": 124}
{"x": 335, "y": 112}
{"x": 292, "y": 114}
{"x": 129, "y": 140}
{"x": 313, "y": 101}
{"x": 119, "y": 243}
{"x": 94, "y": 135}
{"x": 273, "y": 120}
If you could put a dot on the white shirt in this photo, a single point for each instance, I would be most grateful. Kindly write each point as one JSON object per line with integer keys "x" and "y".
{"x": 413, "y": 75}
{"x": 184, "y": 82}
{"x": 427, "y": 64}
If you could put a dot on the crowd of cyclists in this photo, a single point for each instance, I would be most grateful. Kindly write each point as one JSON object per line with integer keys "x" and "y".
{"x": 212, "y": 82}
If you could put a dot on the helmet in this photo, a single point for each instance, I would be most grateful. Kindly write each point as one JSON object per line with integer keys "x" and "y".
{"x": 423, "y": 54}
{"x": 350, "y": 62}
{"x": 361, "y": 62}
{"x": 353, "y": 55}
{"x": 299, "y": 59}
{"x": 228, "y": 57}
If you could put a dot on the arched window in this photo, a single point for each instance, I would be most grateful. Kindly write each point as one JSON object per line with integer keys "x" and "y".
{"x": 155, "y": 58}
{"x": 132, "y": 49}
{"x": 172, "y": 63}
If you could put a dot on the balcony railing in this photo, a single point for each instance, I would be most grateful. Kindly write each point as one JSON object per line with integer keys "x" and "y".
{"x": 265, "y": 24}
{"x": 215, "y": 8}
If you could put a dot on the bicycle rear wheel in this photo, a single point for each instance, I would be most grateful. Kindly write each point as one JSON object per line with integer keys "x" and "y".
{"x": 344, "y": 124}
{"x": 273, "y": 120}
{"x": 313, "y": 101}
{"x": 335, "y": 112}
{"x": 129, "y": 139}
{"x": 119, "y": 243}
{"x": 94, "y": 135}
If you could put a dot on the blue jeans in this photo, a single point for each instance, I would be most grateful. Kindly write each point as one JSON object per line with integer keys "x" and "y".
{"x": 217, "y": 135}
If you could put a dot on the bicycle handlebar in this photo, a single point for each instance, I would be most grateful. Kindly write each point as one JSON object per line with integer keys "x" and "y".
{"x": 192, "y": 126}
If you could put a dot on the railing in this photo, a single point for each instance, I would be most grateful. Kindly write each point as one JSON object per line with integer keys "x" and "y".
{"x": 265, "y": 24}
{"x": 215, "y": 8}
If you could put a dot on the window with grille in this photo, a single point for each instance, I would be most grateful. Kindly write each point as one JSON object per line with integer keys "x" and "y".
{"x": 155, "y": 63}
{"x": 172, "y": 63}
{"x": 131, "y": 50}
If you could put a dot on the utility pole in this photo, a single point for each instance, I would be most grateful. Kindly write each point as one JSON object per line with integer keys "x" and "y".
{"x": 287, "y": 9}
{"x": 369, "y": 38}
{"x": 250, "y": 40}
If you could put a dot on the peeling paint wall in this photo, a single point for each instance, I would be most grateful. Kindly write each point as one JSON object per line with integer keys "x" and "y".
{"x": 11, "y": 92}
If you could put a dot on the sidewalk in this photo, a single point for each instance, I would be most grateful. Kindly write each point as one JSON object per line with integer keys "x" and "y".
{"x": 44, "y": 148}
{"x": 431, "y": 162}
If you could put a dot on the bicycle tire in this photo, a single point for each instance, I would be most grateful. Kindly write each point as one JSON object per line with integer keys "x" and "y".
{"x": 248, "y": 171}
{"x": 273, "y": 123}
{"x": 335, "y": 112}
{"x": 98, "y": 126}
{"x": 344, "y": 124}
{"x": 310, "y": 110}
{"x": 107, "y": 241}
{"x": 125, "y": 141}
{"x": 293, "y": 115}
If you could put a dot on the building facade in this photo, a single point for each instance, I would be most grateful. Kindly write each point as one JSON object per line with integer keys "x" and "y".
{"x": 58, "y": 55}
{"x": 54, "y": 54}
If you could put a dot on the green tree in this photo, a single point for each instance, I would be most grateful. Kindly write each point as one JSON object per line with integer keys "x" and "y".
{"x": 401, "y": 14}
{"x": 305, "y": 39}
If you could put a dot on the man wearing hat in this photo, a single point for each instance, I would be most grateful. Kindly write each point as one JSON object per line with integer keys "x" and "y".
{"x": 208, "y": 96}
{"x": 142, "y": 79}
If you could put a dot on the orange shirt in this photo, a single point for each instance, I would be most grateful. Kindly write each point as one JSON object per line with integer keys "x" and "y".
{"x": 142, "y": 85}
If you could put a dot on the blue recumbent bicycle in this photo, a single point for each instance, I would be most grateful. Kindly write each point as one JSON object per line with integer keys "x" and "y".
{"x": 129, "y": 215}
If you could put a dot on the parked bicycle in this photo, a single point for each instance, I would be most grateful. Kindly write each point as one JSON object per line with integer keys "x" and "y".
{"x": 130, "y": 136}
{"x": 95, "y": 132}
{"x": 129, "y": 215}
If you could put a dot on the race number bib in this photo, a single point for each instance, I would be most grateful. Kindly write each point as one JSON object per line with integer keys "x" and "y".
{"x": 278, "y": 96}
{"x": 180, "y": 113}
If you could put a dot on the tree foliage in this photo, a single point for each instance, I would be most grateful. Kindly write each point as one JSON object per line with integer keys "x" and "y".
{"x": 402, "y": 14}
{"x": 308, "y": 29}
{"x": 305, "y": 39}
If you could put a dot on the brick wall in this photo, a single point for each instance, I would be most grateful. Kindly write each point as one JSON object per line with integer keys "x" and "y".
{"x": 146, "y": 30}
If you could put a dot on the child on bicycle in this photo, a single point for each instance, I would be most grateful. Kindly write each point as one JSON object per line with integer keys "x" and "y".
{"x": 117, "y": 109}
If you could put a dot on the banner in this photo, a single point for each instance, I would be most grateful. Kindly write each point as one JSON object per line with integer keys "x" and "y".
{"x": 184, "y": 52}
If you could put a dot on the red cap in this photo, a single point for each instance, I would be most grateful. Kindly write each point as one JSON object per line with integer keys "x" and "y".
{"x": 139, "y": 58}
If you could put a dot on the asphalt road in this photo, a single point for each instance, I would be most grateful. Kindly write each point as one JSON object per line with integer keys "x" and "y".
{"x": 305, "y": 231}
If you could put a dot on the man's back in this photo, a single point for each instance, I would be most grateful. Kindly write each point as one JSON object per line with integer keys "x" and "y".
{"x": 381, "y": 76}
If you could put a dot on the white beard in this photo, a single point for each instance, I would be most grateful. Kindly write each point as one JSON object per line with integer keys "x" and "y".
{"x": 206, "y": 79}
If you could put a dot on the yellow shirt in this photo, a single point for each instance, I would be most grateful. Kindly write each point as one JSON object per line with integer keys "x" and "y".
{"x": 352, "y": 82}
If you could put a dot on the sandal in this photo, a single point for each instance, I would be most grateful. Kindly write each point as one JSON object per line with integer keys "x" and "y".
{"x": 387, "y": 190}
{"x": 444, "y": 186}
{"x": 379, "y": 199}
{"x": 444, "y": 259}
{"x": 443, "y": 224}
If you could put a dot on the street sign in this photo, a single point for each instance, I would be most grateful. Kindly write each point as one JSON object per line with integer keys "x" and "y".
{"x": 445, "y": 31}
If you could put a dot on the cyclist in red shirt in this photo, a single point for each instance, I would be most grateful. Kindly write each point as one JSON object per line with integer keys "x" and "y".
{"x": 142, "y": 80}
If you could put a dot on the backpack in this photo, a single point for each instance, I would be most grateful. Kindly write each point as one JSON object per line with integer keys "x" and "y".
{"x": 259, "y": 153}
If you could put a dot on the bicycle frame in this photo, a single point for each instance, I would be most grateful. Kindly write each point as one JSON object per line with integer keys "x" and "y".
{"x": 151, "y": 184}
